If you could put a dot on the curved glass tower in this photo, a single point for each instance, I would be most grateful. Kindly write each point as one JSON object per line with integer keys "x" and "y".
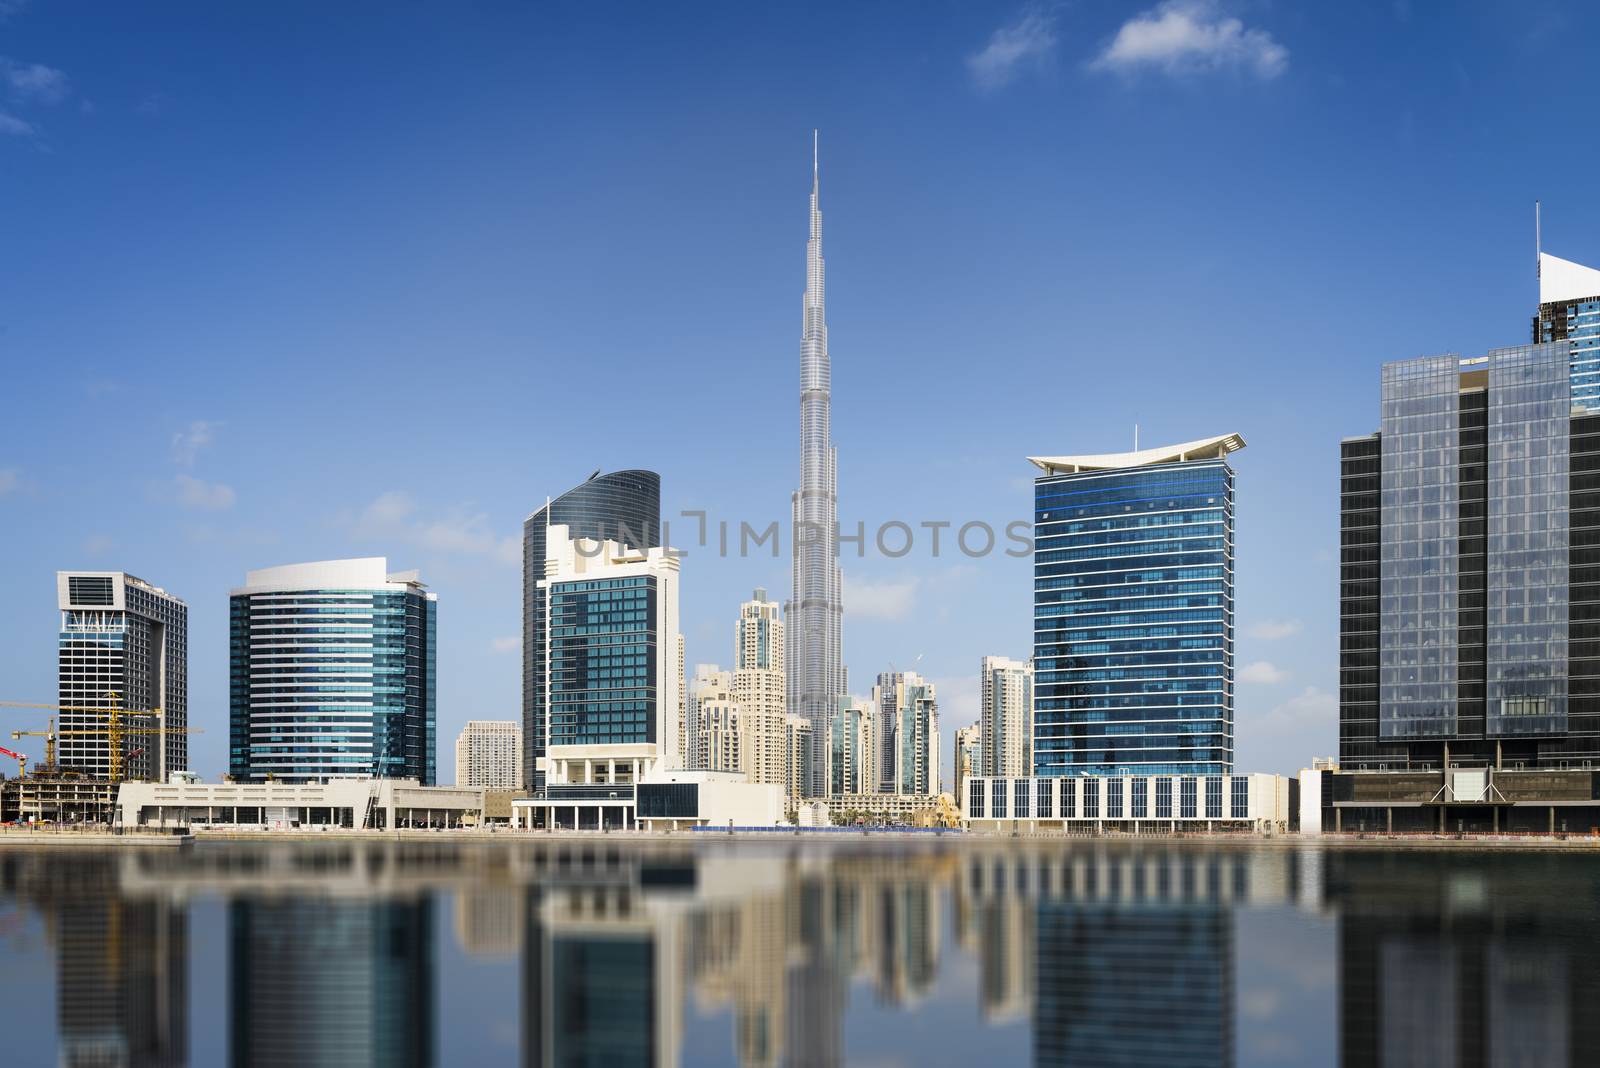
{"x": 622, "y": 506}
{"x": 814, "y": 618}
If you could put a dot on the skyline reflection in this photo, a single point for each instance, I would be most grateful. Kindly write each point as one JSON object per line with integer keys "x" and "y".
{"x": 696, "y": 951}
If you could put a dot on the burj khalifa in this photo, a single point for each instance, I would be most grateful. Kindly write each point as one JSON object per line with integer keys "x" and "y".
{"x": 814, "y": 616}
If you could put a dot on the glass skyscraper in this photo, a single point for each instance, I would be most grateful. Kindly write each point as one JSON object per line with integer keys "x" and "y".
{"x": 331, "y": 674}
{"x": 1133, "y": 612}
{"x": 623, "y": 506}
{"x": 1470, "y": 568}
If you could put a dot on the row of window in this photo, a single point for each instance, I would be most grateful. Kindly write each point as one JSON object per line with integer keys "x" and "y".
{"x": 1122, "y": 797}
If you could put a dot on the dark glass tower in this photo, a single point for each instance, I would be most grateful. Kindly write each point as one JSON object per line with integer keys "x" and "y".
{"x": 1133, "y": 612}
{"x": 1470, "y": 569}
{"x": 623, "y": 506}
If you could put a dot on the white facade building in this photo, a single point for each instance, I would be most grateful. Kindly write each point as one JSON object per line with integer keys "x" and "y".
{"x": 489, "y": 754}
{"x": 760, "y": 688}
{"x": 1153, "y": 803}
{"x": 908, "y": 746}
{"x": 1006, "y": 716}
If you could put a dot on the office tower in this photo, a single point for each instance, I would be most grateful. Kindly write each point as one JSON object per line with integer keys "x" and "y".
{"x": 758, "y": 686}
{"x": 623, "y": 506}
{"x": 723, "y": 739}
{"x": 123, "y": 644}
{"x": 711, "y": 684}
{"x": 1133, "y": 611}
{"x": 797, "y": 732}
{"x": 331, "y": 673}
{"x": 611, "y": 658}
{"x": 1006, "y": 714}
{"x": 1467, "y": 579}
{"x": 815, "y": 614}
{"x": 969, "y": 756}
{"x": 1569, "y": 311}
{"x": 489, "y": 754}
{"x": 910, "y": 702}
{"x": 851, "y": 767}
{"x": 324, "y": 981}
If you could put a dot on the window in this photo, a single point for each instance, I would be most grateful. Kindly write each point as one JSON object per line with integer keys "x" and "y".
{"x": 1213, "y": 797}
{"x": 997, "y": 797}
{"x": 1069, "y": 799}
{"x": 1091, "y": 799}
{"x": 1164, "y": 798}
{"x": 1045, "y": 808}
{"x": 90, "y": 589}
{"x": 1114, "y": 799}
{"x": 1241, "y": 798}
{"x": 975, "y": 800}
{"x": 1186, "y": 797}
{"x": 1140, "y": 802}
{"x": 1019, "y": 798}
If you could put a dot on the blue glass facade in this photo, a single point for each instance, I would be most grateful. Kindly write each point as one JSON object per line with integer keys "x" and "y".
{"x": 332, "y": 683}
{"x": 603, "y": 650}
{"x": 1576, "y": 322}
{"x": 1133, "y": 620}
{"x": 623, "y": 506}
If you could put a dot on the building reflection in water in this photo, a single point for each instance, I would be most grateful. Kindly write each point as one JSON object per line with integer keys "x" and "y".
{"x": 324, "y": 981}
{"x": 1102, "y": 953}
{"x": 1466, "y": 961}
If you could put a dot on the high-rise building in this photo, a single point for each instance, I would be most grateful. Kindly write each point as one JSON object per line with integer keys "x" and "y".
{"x": 123, "y": 644}
{"x": 1006, "y": 714}
{"x": 815, "y": 614}
{"x": 969, "y": 756}
{"x": 853, "y": 761}
{"x": 758, "y": 687}
{"x": 910, "y": 701}
{"x": 331, "y": 673}
{"x": 623, "y": 506}
{"x": 612, "y": 662}
{"x": 711, "y": 684}
{"x": 1133, "y": 611}
{"x": 723, "y": 736}
{"x": 797, "y": 732}
{"x": 489, "y": 754}
{"x": 1569, "y": 311}
{"x": 1467, "y": 579}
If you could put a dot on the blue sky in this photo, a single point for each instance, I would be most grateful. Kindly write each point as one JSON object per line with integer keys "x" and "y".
{"x": 291, "y": 282}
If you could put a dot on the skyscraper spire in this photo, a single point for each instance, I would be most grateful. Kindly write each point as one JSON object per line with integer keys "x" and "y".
{"x": 815, "y": 661}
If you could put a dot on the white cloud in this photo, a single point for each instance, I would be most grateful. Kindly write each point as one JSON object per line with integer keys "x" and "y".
{"x": 1013, "y": 48}
{"x": 98, "y": 544}
{"x": 1262, "y": 672}
{"x": 880, "y": 600}
{"x": 1271, "y": 630}
{"x": 10, "y": 124}
{"x": 204, "y": 496}
{"x": 511, "y": 643}
{"x": 394, "y": 515}
{"x": 9, "y": 480}
{"x": 34, "y": 81}
{"x": 1182, "y": 37}
{"x": 186, "y": 444}
{"x": 1306, "y": 711}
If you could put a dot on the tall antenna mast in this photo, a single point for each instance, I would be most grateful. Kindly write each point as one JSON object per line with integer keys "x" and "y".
{"x": 1136, "y": 437}
{"x": 1538, "y": 240}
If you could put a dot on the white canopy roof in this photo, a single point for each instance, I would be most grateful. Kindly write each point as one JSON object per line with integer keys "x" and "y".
{"x": 1561, "y": 280}
{"x": 1204, "y": 449}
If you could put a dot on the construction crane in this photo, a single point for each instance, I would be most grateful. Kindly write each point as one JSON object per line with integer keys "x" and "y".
{"x": 49, "y": 736}
{"x": 22, "y": 761}
{"x": 115, "y": 729}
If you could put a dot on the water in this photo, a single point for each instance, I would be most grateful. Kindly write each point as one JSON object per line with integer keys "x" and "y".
{"x": 876, "y": 953}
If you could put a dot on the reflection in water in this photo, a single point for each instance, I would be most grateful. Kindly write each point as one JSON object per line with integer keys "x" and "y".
{"x": 763, "y": 955}
{"x": 328, "y": 982}
{"x": 1468, "y": 960}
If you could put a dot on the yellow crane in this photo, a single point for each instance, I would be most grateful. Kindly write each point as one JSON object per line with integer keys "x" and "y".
{"x": 115, "y": 730}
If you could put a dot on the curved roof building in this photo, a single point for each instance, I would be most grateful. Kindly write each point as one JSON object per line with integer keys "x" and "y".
{"x": 623, "y": 506}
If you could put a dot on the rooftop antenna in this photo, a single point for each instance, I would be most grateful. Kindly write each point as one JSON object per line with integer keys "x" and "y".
{"x": 1538, "y": 241}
